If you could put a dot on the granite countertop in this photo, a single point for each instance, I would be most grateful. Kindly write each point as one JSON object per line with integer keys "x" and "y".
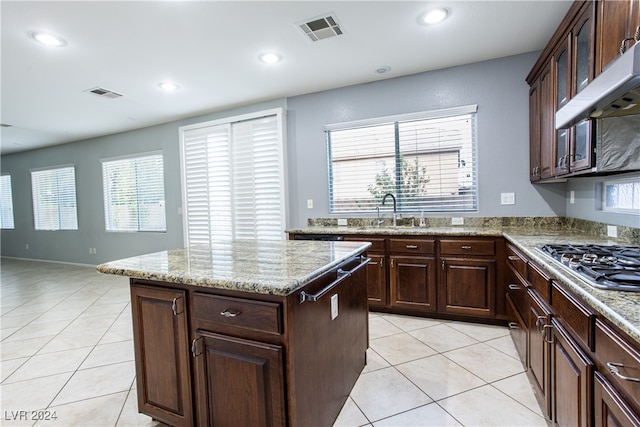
{"x": 619, "y": 307}
{"x": 263, "y": 267}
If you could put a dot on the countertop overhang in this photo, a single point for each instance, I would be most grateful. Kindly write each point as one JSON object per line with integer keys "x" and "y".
{"x": 257, "y": 266}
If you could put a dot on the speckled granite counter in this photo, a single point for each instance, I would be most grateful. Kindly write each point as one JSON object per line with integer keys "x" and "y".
{"x": 619, "y": 307}
{"x": 263, "y": 267}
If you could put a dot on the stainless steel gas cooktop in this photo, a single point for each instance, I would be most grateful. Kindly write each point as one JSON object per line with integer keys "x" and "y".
{"x": 602, "y": 266}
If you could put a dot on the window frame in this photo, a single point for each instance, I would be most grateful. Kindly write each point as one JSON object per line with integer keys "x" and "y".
{"x": 133, "y": 157}
{"x": 399, "y": 120}
{"x": 9, "y": 199}
{"x": 612, "y": 182}
{"x": 35, "y": 206}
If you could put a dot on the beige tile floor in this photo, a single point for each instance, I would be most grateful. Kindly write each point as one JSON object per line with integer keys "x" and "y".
{"x": 67, "y": 349}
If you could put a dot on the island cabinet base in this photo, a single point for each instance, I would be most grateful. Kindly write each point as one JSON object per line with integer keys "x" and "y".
{"x": 212, "y": 357}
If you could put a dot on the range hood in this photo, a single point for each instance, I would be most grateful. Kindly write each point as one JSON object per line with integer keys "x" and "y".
{"x": 615, "y": 92}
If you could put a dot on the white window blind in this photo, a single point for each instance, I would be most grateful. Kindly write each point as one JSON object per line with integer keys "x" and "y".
{"x": 54, "y": 198}
{"x": 233, "y": 179}
{"x": 134, "y": 193}
{"x": 426, "y": 160}
{"x": 6, "y": 203}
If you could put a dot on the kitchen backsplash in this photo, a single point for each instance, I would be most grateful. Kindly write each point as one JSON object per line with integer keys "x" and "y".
{"x": 627, "y": 235}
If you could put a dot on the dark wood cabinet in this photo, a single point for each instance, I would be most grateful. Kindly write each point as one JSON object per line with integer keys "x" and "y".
{"x": 610, "y": 409}
{"x": 212, "y": 357}
{"x": 377, "y": 280}
{"x": 572, "y": 372}
{"x": 413, "y": 282}
{"x": 538, "y": 322}
{"x": 618, "y": 21}
{"x": 547, "y": 123}
{"x": 467, "y": 286}
{"x": 161, "y": 344}
{"x": 238, "y": 382}
{"x": 535, "y": 131}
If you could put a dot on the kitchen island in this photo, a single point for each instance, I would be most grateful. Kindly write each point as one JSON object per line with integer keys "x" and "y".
{"x": 248, "y": 332}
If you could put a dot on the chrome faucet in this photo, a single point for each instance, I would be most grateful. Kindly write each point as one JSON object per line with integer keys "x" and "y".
{"x": 380, "y": 221}
{"x": 394, "y": 206}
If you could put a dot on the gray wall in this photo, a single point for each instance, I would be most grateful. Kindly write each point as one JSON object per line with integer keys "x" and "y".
{"x": 73, "y": 246}
{"x": 586, "y": 201}
{"x": 499, "y": 89}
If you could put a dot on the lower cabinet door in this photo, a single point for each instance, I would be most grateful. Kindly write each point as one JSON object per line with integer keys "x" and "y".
{"x": 467, "y": 287}
{"x": 518, "y": 330}
{"x": 377, "y": 280}
{"x": 538, "y": 321}
{"x": 238, "y": 382}
{"x": 413, "y": 282}
{"x": 163, "y": 372}
{"x": 572, "y": 373}
{"x": 609, "y": 407}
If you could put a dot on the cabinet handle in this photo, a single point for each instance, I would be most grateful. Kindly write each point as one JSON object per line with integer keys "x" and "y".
{"x": 546, "y": 334}
{"x": 196, "y": 349}
{"x": 228, "y": 313}
{"x": 342, "y": 275}
{"x": 412, "y": 246}
{"x": 381, "y": 263}
{"x": 442, "y": 265}
{"x": 613, "y": 368}
{"x": 466, "y": 247}
{"x": 513, "y": 325}
{"x": 174, "y": 306}
{"x": 541, "y": 320}
{"x": 513, "y": 258}
{"x": 514, "y": 287}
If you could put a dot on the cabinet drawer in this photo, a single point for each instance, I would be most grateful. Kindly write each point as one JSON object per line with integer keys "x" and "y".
{"x": 517, "y": 261}
{"x": 378, "y": 244}
{"x": 539, "y": 281}
{"x": 517, "y": 291}
{"x": 238, "y": 313}
{"x": 573, "y": 313}
{"x": 467, "y": 247}
{"x": 412, "y": 246}
{"x": 616, "y": 355}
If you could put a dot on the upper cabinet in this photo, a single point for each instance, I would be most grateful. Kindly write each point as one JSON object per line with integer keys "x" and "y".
{"x": 617, "y": 22}
{"x": 588, "y": 38}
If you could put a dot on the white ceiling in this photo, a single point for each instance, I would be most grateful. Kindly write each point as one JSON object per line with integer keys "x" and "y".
{"x": 211, "y": 48}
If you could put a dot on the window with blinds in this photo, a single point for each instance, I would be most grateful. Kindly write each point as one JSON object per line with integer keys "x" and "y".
{"x": 6, "y": 203}
{"x": 54, "y": 198}
{"x": 426, "y": 160}
{"x": 233, "y": 179}
{"x": 134, "y": 193}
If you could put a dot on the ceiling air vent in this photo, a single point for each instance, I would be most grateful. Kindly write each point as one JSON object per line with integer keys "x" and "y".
{"x": 104, "y": 93}
{"x": 321, "y": 28}
{"x": 4, "y": 125}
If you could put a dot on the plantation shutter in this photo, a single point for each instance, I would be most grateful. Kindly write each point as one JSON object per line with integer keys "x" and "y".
{"x": 54, "y": 198}
{"x": 133, "y": 190}
{"x": 6, "y": 203}
{"x": 233, "y": 180}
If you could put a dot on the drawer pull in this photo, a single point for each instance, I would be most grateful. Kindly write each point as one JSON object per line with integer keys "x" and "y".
{"x": 513, "y": 258}
{"x": 540, "y": 321}
{"x": 613, "y": 368}
{"x": 513, "y": 325}
{"x": 548, "y": 334}
{"x": 342, "y": 275}
{"x": 514, "y": 287}
{"x": 466, "y": 247}
{"x": 412, "y": 246}
{"x": 228, "y": 313}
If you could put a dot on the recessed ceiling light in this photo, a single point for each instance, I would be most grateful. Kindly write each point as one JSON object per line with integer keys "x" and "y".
{"x": 48, "y": 39}
{"x": 433, "y": 16}
{"x": 270, "y": 58}
{"x": 168, "y": 86}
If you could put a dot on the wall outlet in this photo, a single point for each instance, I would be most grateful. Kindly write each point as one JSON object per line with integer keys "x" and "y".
{"x": 457, "y": 220}
{"x": 612, "y": 231}
{"x": 508, "y": 198}
{"x": 334, "y": 306}
{"x": 572, "y": 197}
{"x": 342, "y": 221}
{"x": 26, "y": 246}
{"x": 309, "y": 203}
